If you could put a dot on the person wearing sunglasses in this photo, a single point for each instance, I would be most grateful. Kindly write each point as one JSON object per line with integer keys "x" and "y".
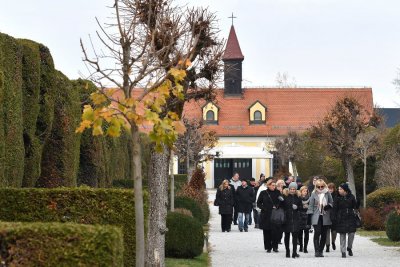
{"x": 319, "y": 207}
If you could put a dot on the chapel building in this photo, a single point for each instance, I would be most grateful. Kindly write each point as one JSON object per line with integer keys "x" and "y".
{"x": 248, "y": 120}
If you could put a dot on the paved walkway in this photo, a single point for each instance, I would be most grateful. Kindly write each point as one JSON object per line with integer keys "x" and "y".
{"x": 243, "y": 249}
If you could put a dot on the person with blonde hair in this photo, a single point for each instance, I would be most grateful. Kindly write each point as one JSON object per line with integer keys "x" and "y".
{"x": 225, "y": 201}
{"x": 303, "y": 223}
{"x": 319, "y": 207}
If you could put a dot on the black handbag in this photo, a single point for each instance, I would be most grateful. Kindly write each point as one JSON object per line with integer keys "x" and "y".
{"x": 278, "y": 216}
{"x": 216, "y": 202}
{"x": 357, "y": 216}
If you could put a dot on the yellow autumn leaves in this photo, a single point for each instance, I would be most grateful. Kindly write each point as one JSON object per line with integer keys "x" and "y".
{"x": 124, "y": 112}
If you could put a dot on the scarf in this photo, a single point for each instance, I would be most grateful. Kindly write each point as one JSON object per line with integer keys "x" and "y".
{"x": 322, "y": 202}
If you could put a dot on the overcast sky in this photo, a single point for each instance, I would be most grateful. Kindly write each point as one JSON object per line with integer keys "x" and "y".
{"x": 317, "y": 42}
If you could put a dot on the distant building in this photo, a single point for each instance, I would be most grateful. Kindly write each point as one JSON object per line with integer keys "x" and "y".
{"x": 248, "y": 120}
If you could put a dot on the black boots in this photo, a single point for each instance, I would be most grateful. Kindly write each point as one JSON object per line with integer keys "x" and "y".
{"x": 350, "y": 251}
{"x": 343, "y": 254}
{"x": 294, "y": 254}
{"x": 288, "y": 253}
{"x": 305, "y": 250}
{"x": 333, "y": 246}
{"x": 327, "y": 248}
{"x": 319, "y": 254}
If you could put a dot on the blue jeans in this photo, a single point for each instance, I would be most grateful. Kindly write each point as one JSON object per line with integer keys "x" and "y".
{"x": 245, "y": 219}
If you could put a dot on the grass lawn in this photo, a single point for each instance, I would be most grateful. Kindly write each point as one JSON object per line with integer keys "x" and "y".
{"x": 200, "y": 261}
{"x": 371, "y": 233}
{"x": 379, "y": 237}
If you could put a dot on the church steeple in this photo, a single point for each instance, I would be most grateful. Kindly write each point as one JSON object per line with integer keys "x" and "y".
{"x": 232, "y": 58}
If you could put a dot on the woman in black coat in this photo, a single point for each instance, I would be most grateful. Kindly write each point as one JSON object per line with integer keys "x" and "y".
{"x": 225, "y": 202}
{"x": 304, "y": 233}
{"x": 267, "y": 201}
{"x": 292, "y": 205}
{"x": 344, "y": 217}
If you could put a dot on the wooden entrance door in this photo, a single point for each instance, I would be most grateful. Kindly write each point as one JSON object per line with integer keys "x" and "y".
{"x": 224, "y": 169}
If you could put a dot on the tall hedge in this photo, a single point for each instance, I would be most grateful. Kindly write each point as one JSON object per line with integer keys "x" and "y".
{"x": 78, "y": 205}
{"x": 60, "y": 161}
{"x": 10, "y": 66}
{"x": 60, "y": 244}
{"x": 31, "y": 108}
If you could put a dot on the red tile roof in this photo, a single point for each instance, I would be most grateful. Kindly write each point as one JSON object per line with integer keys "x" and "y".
{"x": 293, "y": 109}
{"x": 232, "y": 50}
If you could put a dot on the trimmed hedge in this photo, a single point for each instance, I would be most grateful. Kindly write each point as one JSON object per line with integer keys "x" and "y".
{"x": 12, "y": 164}
{"x": 185, "y": 236}
{"x": 383, "y": 197}
{"x": 59, "y": 244}
{"x": 78, "y": 205}
{"x": 190, "y": 204}
{"x": 393, "y": 226}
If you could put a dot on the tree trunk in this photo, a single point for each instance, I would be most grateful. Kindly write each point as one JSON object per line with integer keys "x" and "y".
{"x": 158, "y": 190}
{"x": 365, "y": 179}
{"x": 137, "y": 181}
{"x": 171, "y": 167}
{"x": 188, "y": 168}
{"x": 348, "y": 166}
{"x": 295, "y": 174}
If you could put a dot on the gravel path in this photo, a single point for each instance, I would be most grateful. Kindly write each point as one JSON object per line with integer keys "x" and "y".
{"x": 246, "y": 249}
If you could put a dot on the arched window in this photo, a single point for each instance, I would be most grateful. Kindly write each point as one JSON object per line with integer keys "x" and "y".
{"x": 257, "y": 115}
{"x": 210, "y": 116}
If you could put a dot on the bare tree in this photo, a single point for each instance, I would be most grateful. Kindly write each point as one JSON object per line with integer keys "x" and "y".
{"x": 287, "y": 148}
{"x": 340, "y": 128}
{"x": 366, "y": 145}
{"x": 163, "y": 50}
{"x": 388, "y": 172}
{"x": 283, "y": 80}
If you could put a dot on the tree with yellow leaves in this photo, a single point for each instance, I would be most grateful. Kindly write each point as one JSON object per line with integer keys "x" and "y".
{"x": 154, "y": 56}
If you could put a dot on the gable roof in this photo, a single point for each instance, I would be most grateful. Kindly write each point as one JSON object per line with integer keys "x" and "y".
{"x": 255, "y": 102}
{"x": 232, "y": 50}
{"x": 289, "y": 109}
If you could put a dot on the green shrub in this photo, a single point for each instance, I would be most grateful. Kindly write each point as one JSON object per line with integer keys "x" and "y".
{"x": 59, "y": 244}
{"x": 190, "y": 204}
{"x": 382, "y": 197}
{"x": 185, "y": 236}
{"x": 78, "y": 205}
{"x": 393, "y": 226}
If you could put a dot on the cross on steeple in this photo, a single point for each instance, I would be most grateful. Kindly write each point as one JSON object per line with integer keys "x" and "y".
{"x": 232, "y": 17}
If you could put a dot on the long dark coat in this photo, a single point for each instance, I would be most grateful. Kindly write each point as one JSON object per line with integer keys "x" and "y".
{"x": 225, "y": 200}
{"x": 303, "y": 214}
{"x": 266, "y": 203}
{"x": 292, "y": 216}
{"x": 344, "y": 217}
{"x": 245, "y": 198}
{"x": 334, "y": 196}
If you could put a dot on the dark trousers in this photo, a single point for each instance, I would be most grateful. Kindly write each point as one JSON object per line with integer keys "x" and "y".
{"x": 270, "y": 239}
{"x": 304, "y": 242}
{"x": 235, "y": 215}
{"x": 320, "y": 232}
{"x": 226, "y": 220}
{"x": 255, "y": 216}
{"x": 294, "y": 241}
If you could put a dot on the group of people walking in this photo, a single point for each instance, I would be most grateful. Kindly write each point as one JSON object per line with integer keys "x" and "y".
{"x": 287, "y": 208}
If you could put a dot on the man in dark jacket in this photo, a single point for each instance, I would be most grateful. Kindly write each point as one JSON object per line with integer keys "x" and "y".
{"x": 245, "y": 199}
